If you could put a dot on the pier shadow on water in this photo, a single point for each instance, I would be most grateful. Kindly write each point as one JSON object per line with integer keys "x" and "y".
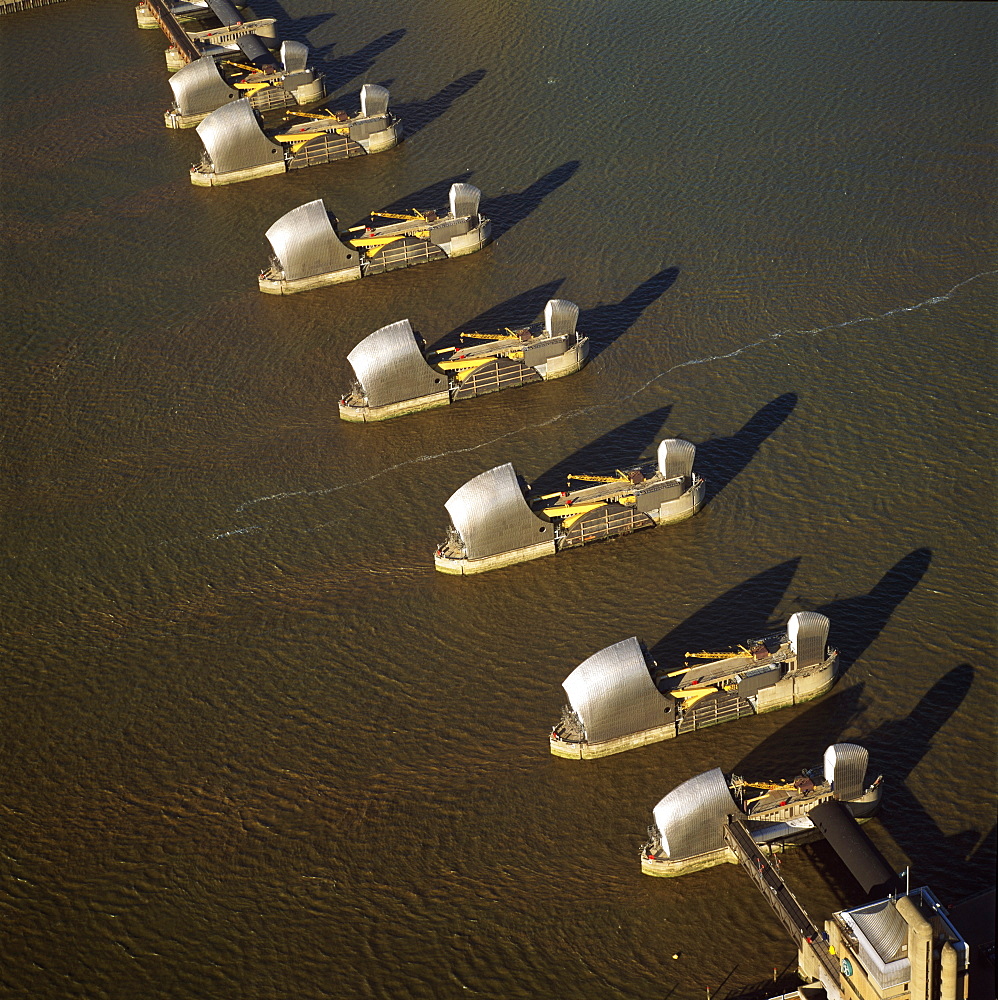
{"x": 624, "y": 445}
{"x": 433, "y": 196}
{"x": 802, "y": 741}
{"x": 857, "y": 621}
{"x": 518, "y": 311}
{"x": 416, "y": 115}
{"x": 605, "y": 323}
{"x": 738, "y": 615}
{"x": 719, "y": 460}
{"x": 340, "y": 71}
{"x": 953, "y": 864}
{"x": 506, "y": 210}
{"x": 602, "y": 324}
{"x": 896, "y": 748}
{"x": 295, "y": 28}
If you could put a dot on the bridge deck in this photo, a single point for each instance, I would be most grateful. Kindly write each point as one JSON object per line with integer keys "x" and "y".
{"x": 173, "y": 31}
{"x": 789, "y": 912}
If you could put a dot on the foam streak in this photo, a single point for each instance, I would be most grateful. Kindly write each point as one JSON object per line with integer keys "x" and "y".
{"x": 616, "y": 401}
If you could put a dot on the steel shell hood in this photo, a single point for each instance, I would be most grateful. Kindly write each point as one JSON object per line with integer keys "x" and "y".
{"x": 675, "y": 458}
{"x": 845, "y": 767}
{"x": 234, "y": 140}
{"x": 560, "y": 318}
{"x": 464, "y": 199}
{"x": 373, "y": 100}
{"x": 294, "y": 56}
{"x": 613, "y": 694}
{"x": 808, "y": 634}
{"x": 391, "y": 368}
{"x": 306, "y": 243}
{"x": 884, "y": 927}
{"x": 691, "y": 818}
{"x": 198, "y": 87}
{"x": 492, "y": 516}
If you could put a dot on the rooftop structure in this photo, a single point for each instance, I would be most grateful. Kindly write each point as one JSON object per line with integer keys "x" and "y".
{"x": 395, "y": 375}
{"x": 309, "y": 252}
{"x": 208, "y": 83}
{"x": 238, "y": 148}
{"x": 620, "y": 698}
{"x": 494, "y": 522}
{"x": 688, "y": 833}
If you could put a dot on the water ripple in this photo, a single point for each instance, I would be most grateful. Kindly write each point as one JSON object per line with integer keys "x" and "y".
{"x": 616, "y": 401}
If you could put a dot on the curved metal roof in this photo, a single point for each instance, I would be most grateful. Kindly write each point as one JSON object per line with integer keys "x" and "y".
{"x": 808, "y": 634}
{"x": 373, "y": 100}
{"x": 198, "y": 87}
{"x": 675, "y": 457}
{"x": 390, "y": 366}
{"x": 613, "y": 694}
{"x": 691, "y": 818}
{"x": 464, "y": 199}
{"x": 492, "y": 516}
{"x": 845, "y": 767}
{"x": 294, "y": 56}
{"x": 234, "y": 139}
{"x": 560, "y": 317}
{"x": 884, "y": 927}
{"x": 225, "y": 12}
{"x": 255, "y": 50}
{"x": 306, "y": 243}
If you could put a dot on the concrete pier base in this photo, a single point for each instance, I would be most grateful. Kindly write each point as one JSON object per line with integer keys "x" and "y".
{"x": 664, "y": 868}
{"x": 286, "y": 286}
{"x": 591, "y": 751}
{"x": 470, "y": 242}
{"x": 568, "y": 363}
{"x": 465, "y": 567}
{"x": 682, "y": 507}
{"x": 369, "y": 414}
{"x": 202, "y": 178}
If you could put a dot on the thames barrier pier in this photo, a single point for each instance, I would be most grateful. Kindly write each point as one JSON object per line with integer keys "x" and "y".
{"x": 494, "y": 523}
{"x": 395, "y": 375}
{"x": 309, "y": 251}
{"x": 237, "y": 148}
{"x": 620, "y": 699}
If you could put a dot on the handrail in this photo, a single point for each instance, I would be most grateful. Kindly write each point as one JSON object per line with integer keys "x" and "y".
{"x": 171, "y": 28}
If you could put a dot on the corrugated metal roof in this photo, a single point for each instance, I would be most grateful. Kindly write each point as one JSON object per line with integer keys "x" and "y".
{"x": 675, "y": 457}
{"x": 464, "y": 199}
{"x": 294, "y": 56}
{"x": 808, "y": 633}
{"x": 306, "y": 243}
{"x": 691, "y": 818}
{"x": 198, "y": 87}
{"x": 613, "y": 694}
{"x": 845, "y": 768}
{"x": 884, "y": 928}
{"x": 560, "y": 318}
{"x": 390, "y": 366}
{"x": 492, "y": 516}
{"x": 234, "y": 139}
{"x": 373, "y": 100}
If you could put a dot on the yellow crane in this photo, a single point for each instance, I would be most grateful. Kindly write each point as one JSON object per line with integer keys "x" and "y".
{"x": 323, "y": 116}
{"x": 508, "y": 335}
{"x": 618, "y": 478}
{"x": 742, "y": 651}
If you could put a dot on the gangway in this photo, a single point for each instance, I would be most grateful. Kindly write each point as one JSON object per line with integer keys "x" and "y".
{"x": 788, "y": 910}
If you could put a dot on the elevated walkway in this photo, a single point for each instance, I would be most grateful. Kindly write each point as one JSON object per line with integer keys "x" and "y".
{"x": 788, "y": 911}
{"x": 186, "y": 49}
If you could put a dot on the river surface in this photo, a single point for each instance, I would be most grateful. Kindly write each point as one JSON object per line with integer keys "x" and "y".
{"x": 253, "y": 745}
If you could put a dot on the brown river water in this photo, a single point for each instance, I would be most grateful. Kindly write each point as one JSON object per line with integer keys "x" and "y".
{"x": 253, "y": 745}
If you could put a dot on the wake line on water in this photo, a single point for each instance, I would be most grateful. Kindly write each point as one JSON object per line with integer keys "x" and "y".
{"x": 768, "y": 339}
